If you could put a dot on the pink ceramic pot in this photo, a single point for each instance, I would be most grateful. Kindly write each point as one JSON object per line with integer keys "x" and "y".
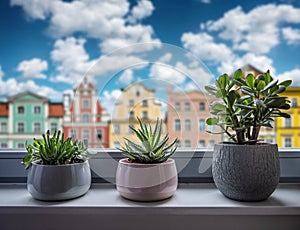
{"x": 146, "y": 182}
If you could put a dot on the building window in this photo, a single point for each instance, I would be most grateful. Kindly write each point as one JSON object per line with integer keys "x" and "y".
{"x": 21, "y": 109}
{"x": 3, "y": 127}
{"x": 3, "y": 145}
{"x": 287, "y": 122}
{"x": 178, "y": 143}
{"x": 211, "y": 128}
{"x": 211, "y": 143}
{"x": 73, "y": 134}
{"x": 37, "y": 109}
{"x": 129, "y": 130}
{"x": 201, "y": 124}
{"x": 201, "y": 143}
{"x": 20, "y": 127}
{"x": 116, "y": 129}
{"x": 85, "y": 103}
{"x": 137, "y": 93}
{"x": 187, "y": 125}
{"x": 99, "y": 134}
{"x": 287, "y": 142}
{"x": 37, "y": 127}
{"x": 53, "y": 127}
{"x": 177, "y": 125}
{"x": 201, "y": 106}
{"x": 85, "y": 118}
{"x": 177, "y": 106}
{"x": 131, "y": 102}
{"x": 86, "y": 134}
{"x": 131, "y": 115}
{"x": 294, "y": 102}
{"x": 20, "y": 145}
{"x": 187, "y": 106}
{"x": 187, "y": 143}
{"x": 144, "y": 103}
{"x": 117, "y": 144}
{"x": 145, "y": 114}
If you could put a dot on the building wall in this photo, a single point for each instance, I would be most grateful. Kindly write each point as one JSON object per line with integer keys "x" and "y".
{"x": 83, "y": 117}
{"x": 289, "y": 132}
{"x": 184, "y": 107}
{"x": 135, "y": 101}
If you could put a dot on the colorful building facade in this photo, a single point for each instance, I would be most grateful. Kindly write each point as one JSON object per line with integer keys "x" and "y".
{"x": 135, "y": 101}
{"x": 25, "y": 116}
{"x": 83, "y": 118}
{"x": 186, "y": 119}
{"x": 288, "y": 129}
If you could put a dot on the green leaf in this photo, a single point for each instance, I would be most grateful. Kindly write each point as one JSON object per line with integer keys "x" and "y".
{"x": 261, "y": 85}
{"x": 231, "y": 97}
{"x": 286, "y": 83}
{"x": 211, "y": 89}
{"x": 281, "y": 89}
{"x": 250, "y": 80}
{"x": 219, "y": 106}
{"x": 270, "y": 85}
{"x": 246, "y": 106}
{"x": 212, "y": 121}
{"x": 238, "y": 74}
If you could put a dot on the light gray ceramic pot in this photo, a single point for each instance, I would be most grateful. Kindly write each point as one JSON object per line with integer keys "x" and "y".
{"x": 146, "y": 182}
{"x": 246, "y": 172}
{"x": 58, "y": 182}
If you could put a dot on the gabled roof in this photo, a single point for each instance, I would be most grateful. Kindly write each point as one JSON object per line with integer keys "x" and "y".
{"x": 27, "y": 96}
{"x": 4, "y": 109}
{"x": 249, "y": 66}
{"x": 135, "y": 84}
{"x": 56, "y": 110}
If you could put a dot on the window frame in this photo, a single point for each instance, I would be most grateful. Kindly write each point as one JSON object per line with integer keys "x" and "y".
{"x": 18, "y": 125}
{"x": 187, "y": 162}
{"x": 37, "y": 112}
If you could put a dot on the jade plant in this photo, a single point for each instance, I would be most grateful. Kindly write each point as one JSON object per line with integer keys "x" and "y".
{"x": 152, "y": 147}
{"x": 55, "y": 150}
{"x": 246, "y": 104}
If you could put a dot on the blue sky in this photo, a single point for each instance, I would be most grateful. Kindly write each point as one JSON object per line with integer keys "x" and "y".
{"x": 48, "y": 46}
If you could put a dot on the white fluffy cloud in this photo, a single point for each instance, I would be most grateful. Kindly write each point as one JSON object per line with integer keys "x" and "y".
{"x": 33, "y": 68}
{"x": 257, "y": 31}
{"x": 142, "y": 10}
{"x": 204, "y": 46}
{"x": 106, "y": 20}
{"x": 109, "y": 99}
{"x": 291, "y": 35}
{"x": 291, "y": 75}
{"x": 71, "y": 59}
{"x": 126, "y": 77}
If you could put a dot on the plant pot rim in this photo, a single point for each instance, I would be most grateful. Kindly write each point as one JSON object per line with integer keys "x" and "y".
{"x": 248, "y": 146}
{"x": 125, "y": 161}
{"x": 62, "y": 165}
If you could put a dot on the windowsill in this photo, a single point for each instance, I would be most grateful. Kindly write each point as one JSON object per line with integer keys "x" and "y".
{"x": 192, "y": 202}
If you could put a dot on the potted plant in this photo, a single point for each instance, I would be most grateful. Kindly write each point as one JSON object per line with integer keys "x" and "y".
{"x": 245, "y": 168}
{"x": 147, "y": 173}
{"x": 58, "y": 168}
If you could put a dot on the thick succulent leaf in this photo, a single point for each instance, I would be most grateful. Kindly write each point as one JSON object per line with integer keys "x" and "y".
{"x": 211, "y": 89}
{"x": 219, "y": 106}
{"x": 212, "y": 121}
{"x": 238, "y": 74}
{"x": 270, "y": 85}
{"x": 286, "y": 83}
{"x": 231, "y": 98}
{"x": 250, "y": 80}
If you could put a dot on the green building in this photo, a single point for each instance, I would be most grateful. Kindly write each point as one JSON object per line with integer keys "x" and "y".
{"x": 25, "y": 116}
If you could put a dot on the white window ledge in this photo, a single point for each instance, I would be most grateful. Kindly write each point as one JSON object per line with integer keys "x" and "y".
{"x": 194, "y": 206}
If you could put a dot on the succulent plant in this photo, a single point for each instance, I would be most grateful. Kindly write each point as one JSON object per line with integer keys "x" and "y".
{"x": 54, "y": 150}
{"x": 247, "y": 104}
{"x": 153, "y": 147}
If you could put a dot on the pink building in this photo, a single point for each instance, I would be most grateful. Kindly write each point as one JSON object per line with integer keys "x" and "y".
{"x": 186, "y": 119}
{"x": 84, "y": 116}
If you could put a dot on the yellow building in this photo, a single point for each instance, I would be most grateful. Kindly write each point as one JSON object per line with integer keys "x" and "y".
{"x": 288, "y": 129}
{"x": 135, "y": 101}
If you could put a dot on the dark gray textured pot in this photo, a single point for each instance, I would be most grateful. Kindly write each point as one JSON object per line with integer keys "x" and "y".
{"x": 246, "y": 172}
{"x": 58, "y": 182}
